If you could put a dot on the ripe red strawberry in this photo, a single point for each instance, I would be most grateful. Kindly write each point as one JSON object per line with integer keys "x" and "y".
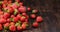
{"x": 27, "y": 16}
{"x": 26, "y": 20}
{"x": 1, "y": 27}
{"x": 14, "y": 6}
{"x": 4, "y": 6}
{"x": 17, "y": 0}
{"x": 34, "y": 11}
{"x": 39, "y": 19}
{"x": 1, "y": 16}
{"x": 35, "y": 24}
{"x": 22, "y": 9}
{"x": 11, "y": 10}
{"x": 23, "y": 19}
{"x": 23, "y": 26}
{"x": 19, "y": 27}
{"x": 28, "y": 8}
{"x": 12, "y": 23}
{"x": 12, "y": 16}
{"x": 8, "y": 20}
{"x": 6, "y": 25}
{"x": 6, "y": 15}
{"x": 33, "y": 16}
{"x": 9, "y": 2}
{"x": 18, "y": 16}
{"x": 2, "y": 21}
{"x": 24, "y": 14}
{"x": 15, "y": 19}
{"x": 12, "y": 28}
{"x": 1, "y": 12}
{"x": 21, "y": 4}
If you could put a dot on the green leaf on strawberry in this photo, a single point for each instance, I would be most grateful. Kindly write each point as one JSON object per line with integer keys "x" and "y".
{"x": 6, "y": 28}
{"x": 19, "y": 21}
{"x": 0, "y": 2}
{"x": 17, "y": 24}
{"x": 15, "y": 11}
{"x": 17, "y": 3}
{"x": 11, "y": 19}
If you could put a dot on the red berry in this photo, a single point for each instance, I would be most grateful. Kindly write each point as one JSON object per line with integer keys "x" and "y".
{"x": 28, "y": 8}
{"x": 1, "y": 16}
{"x": 22, "y": 9}
{"x": 19, "y": 27}
{"x": 1, "y": 13}
{"x": 17, "y": 0}
{"x": 12, "y": 28}
{"x": 21, "y": 4}
{"x": 6, "y": 15}
{"x": 6, "y": 25}
{"x": 23, "y": 19}
{"x": 8, "y": 20}
{"x": 18, "y": 16}
{"x": 2, "y": 21}
{"x": 39, "y": 19}
{"x": 33, "y": 16}
{"x": 15, "y": 19}
{"x": 11, "y": 10}
{"x": 35, "y": 11}
{"x": 1, "y": 27}
{"x": 12, "y": 23}
{"x": 23, "y": 26}
{"x": 24, "y": 14}
{"x": 35, "y": 24}
{"x": 14, "y": 6}
{"x": 12, "y": 16}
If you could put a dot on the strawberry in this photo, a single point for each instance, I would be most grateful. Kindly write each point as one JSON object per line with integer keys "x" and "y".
{"x": 19, "y": 27}
{"x": 14, "y": 6}
{"x": 23, "y": 26}
{"x": 6, "y": 15}
{"x": 12, "y": 28}
{"x": 33, "y": 16}
{"x": 11, "y": 10}
{"x": 1, "y": 27}
{"x": 35, "y": 24}
{"x": 18, "y": 16}
{"x": 39, "y": 19}
{"x": 24, "y": 14}
{"x": 17, "y": 0}
{"x": 12, "y": 23}
{"x": 15, "y": 19}
{"x": 4, "y": 6}
{"x": 21, "y": 4}
{"x": 9, "y": 2}
{"x": 34, "y": 11}
{"x": 23, "y": 18}
{"x": 6, "y": 26}
{"x": 22, "y": 9}
{"x": 12, "y": 16}
{"x": 2, "y": 21}
{"x": 28, "y": 8}
{"x": 26, "y": 20}
{"x": 15, "y": 11}
{"x": 8, "y": 20}
{"x": 1, "y": 12}
{"x": 1, "y": 16}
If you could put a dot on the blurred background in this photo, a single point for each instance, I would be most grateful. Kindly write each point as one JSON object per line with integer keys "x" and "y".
{"x": 50, "y": 10}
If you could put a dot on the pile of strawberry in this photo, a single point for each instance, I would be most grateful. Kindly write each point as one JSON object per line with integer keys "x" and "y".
{"x": 13, "y": 16}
